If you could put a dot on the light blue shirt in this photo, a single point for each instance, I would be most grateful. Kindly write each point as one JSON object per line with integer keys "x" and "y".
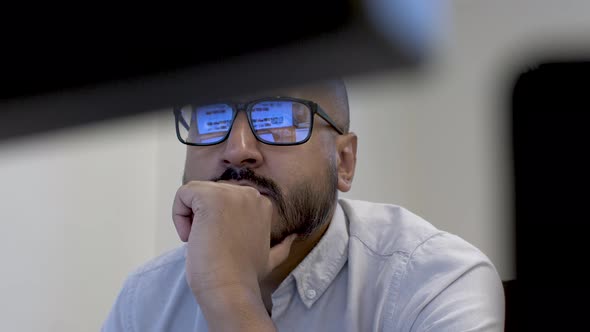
{"x": 378, "y": 267}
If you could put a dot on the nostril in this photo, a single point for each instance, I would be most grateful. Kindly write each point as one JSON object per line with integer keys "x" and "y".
{"x": 245, "y": 161}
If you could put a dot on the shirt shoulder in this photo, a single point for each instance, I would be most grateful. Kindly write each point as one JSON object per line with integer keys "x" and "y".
{"x": 386, "y": 228}
{"x": 167, "y": 260}
{"x": 437, "y": 279}
{"x": 448, "y": 285}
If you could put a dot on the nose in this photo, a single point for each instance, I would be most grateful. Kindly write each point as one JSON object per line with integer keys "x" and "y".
{"x": 241, "y": 147}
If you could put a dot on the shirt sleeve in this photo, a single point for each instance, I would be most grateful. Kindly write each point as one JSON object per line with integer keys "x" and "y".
{"x": 119, "y": 317}
{"x": 448, "y": 285}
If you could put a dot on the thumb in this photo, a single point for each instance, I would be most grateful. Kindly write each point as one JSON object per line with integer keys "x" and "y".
{"x": 280, "y": 252}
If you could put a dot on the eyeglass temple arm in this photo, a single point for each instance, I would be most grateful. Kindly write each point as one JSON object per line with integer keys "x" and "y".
{"x": 325, "y": 116}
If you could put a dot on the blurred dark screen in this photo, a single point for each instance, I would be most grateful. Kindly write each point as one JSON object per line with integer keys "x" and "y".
{"x": 550, "y": 109}
{"x": 79, "y": 49}
{"x": 67, "y": 68}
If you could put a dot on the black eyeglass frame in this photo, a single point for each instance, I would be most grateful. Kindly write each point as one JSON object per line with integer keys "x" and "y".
{"x": 247, "y": 107}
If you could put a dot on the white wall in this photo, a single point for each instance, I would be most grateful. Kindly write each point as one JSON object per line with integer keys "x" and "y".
{"x": 76, "y": 214}
{"x": 81, "y": 208}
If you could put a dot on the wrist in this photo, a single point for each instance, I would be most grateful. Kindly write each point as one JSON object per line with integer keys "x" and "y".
{"x": 234, "y": 308}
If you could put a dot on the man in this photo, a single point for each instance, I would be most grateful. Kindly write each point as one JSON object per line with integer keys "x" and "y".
{"x": 269, "y": 246}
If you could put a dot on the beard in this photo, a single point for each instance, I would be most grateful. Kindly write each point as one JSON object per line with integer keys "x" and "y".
{"x": 305, "y": 209}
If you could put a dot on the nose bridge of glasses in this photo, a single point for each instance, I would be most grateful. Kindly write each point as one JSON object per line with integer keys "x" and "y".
{"x": 241, "y": 125}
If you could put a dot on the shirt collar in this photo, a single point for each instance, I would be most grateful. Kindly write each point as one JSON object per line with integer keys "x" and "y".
{"x": 319, "y": 268}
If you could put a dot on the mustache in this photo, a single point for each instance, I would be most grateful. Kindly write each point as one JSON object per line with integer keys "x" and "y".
{"x": 246, "y": 174}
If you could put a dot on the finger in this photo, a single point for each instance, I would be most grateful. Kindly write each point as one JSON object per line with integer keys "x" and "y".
{"x": 280, "y": 252}
{"x": 182, "y": 213}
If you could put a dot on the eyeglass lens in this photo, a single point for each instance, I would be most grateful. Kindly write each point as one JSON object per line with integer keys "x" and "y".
{"x": 273, "y": 122}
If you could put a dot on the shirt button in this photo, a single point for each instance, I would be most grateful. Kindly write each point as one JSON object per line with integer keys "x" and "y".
{"x": 310, "y": 293}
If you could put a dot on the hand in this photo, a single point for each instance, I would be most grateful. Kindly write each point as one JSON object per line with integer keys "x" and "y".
{"x": 227, "y": 228}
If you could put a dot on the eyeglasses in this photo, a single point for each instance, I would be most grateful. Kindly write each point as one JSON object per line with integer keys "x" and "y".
{"x": 274, "y": 121}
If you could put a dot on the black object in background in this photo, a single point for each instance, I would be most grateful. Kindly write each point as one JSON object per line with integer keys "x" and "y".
{"x": 551, "y": 135}
{"x": 65, "y": 67}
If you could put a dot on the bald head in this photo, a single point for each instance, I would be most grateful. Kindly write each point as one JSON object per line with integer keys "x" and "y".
{"x": 337, "y": 102}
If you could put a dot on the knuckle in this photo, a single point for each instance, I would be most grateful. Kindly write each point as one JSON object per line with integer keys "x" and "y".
{"x": 251, "y": 191}
{"x": 265, "y": 202}
{"x": 192, "y": 184}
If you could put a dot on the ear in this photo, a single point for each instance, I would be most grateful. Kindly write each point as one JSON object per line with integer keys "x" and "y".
{"x": 346, "y": 145}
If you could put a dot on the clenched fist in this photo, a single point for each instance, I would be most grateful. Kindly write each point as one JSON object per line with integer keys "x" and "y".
{"x": 227, "y": 228}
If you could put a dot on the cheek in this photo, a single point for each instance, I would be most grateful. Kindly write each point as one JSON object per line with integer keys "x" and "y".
{"x": 283, "y": 171}
{"x": 297, "y": 172}
{"x": 200, "y": 167}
